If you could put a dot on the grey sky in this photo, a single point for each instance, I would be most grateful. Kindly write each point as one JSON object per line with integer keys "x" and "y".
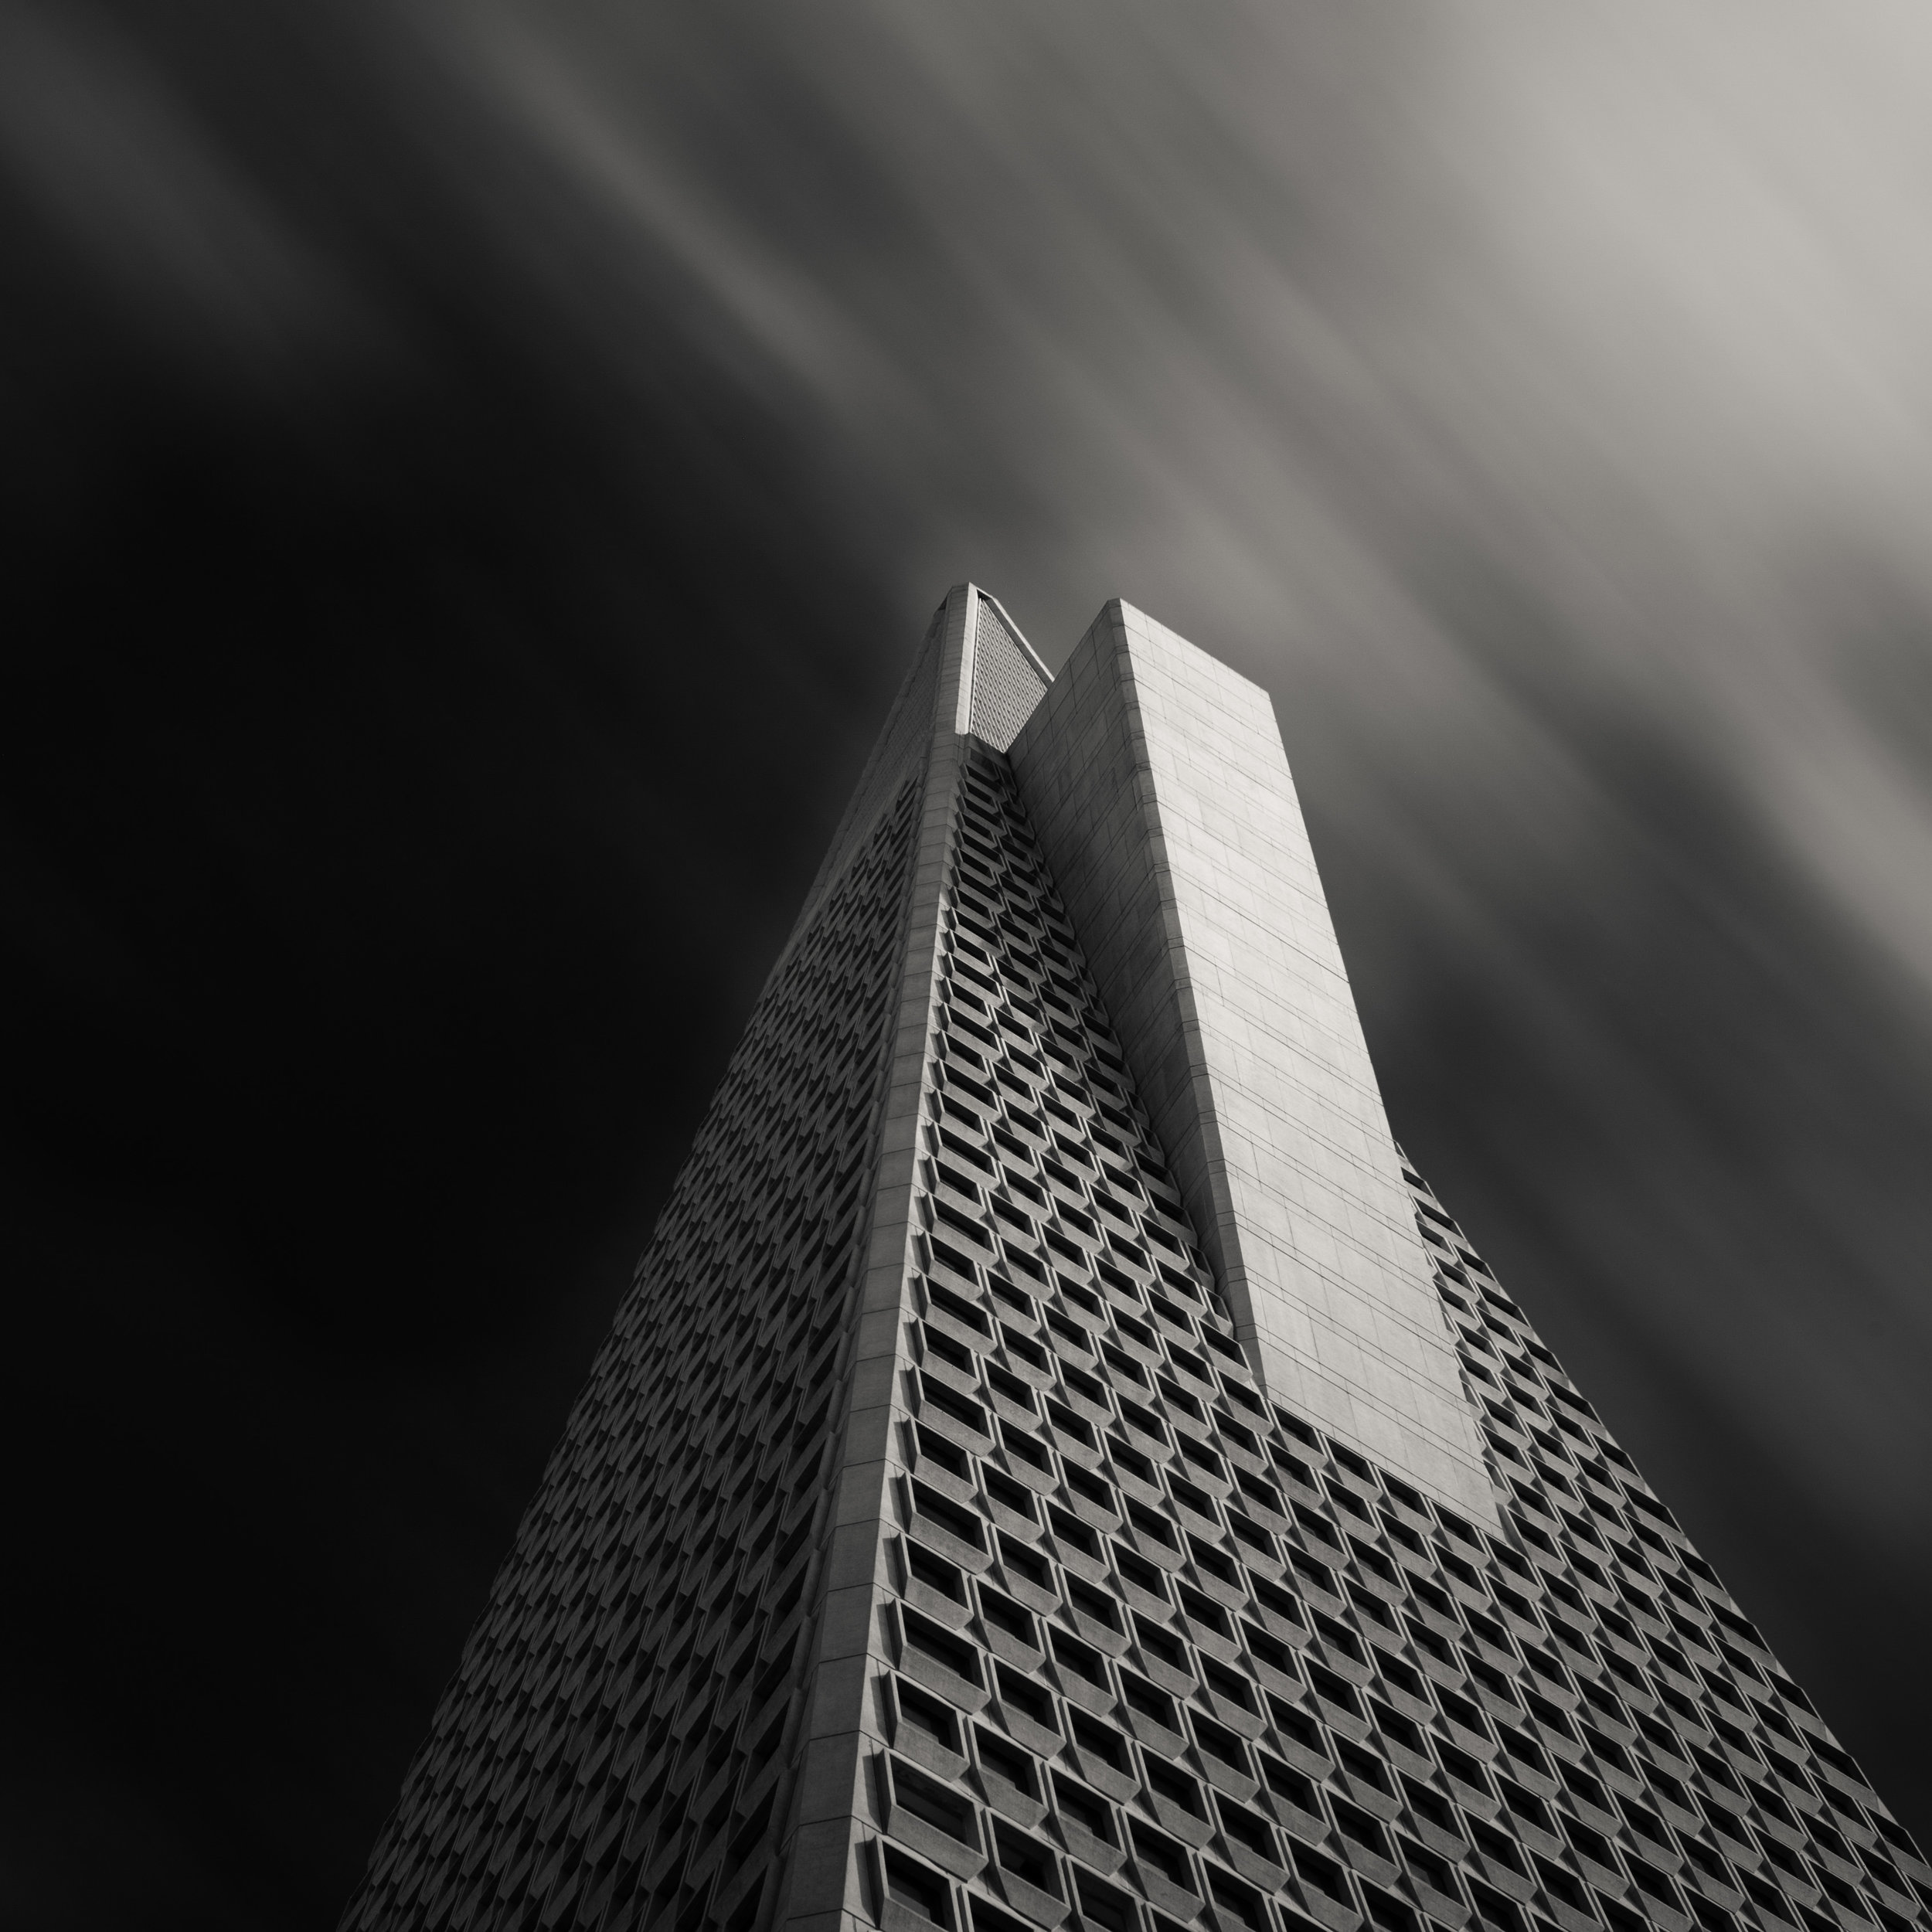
{"x": 1534, "y": 398}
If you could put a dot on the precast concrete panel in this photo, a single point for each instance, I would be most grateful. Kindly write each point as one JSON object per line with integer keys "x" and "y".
{"x": 1014, "y": 1495}
{"x": 1157, "y": 778}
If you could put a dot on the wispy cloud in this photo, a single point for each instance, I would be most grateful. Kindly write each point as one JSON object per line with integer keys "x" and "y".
{"x": 1534, "y": 398}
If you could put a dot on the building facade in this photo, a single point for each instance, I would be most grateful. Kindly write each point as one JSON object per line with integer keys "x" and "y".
{"x": 1059, "y": 1466}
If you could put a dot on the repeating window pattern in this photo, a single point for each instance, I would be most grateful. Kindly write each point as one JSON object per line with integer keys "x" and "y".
{"x": 1006, "y": 686}
{"x": 1162, "y": 1656}
{"x": 616, "y": 1748}
{"x": 1153, "y": 1654}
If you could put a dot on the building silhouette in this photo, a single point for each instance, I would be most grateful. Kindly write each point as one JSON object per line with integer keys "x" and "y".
{"x": 1058, "y": 1466}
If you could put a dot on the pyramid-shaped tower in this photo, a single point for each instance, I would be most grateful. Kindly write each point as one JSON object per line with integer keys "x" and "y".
{"x": 1058, "y": 1466}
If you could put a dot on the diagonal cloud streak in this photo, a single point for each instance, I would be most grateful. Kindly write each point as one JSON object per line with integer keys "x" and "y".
{"x": 1535, "y": 400}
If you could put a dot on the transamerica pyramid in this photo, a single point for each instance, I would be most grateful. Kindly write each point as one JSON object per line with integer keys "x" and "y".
{"x": 1058, "y": 1466}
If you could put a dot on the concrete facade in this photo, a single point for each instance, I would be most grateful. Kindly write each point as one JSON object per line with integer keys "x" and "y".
{"x": 1158, "y": 783}
{"x": 933, "y": 1547}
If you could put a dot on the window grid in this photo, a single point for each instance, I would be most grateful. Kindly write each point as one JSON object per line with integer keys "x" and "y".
{"x": 618, "y": 1744}
{"x": 1154, "y": 1653}
{"x": 1206, "y": 1666}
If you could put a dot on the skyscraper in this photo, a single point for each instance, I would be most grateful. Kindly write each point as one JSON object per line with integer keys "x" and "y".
{"x": 1059, "y": 1466}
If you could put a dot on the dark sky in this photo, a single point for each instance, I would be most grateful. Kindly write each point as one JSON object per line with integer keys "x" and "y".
{"x": 475, "y": 474}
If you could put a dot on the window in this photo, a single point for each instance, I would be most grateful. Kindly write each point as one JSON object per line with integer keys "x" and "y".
{"x": 1009, "y": 1494}
{"x": 1590, "y": 1843}
{"x": 1494, "y": 1912}
{"x": 1066, "y": 1424}
{"x": 1339, "y": 1637}
{"x": 1461, "y": 1710}
{"x": 1070, "y": 1332}
{"x": 953, "y": 1353}
{"x": 951, "y": 1653}
{"x": 1141, "y": 1696}
{"x": 1279, "y": 1603}
{"x": 1101, "y": 1741}
{"x": 1364, "y": 1765}
{"x": 1264, "y": 1649}
{"x": 1219, "y": 1742}
{"x": 1401, "y": 1533}
{"x": 1090, "y": 1602}
{"x": 1025, "y": 1563}
{"x": 1176, "y": 1397}
{"x": 949, "y": 1515}
{"x": 1581, "y": 1784}
{"x": 1138, "y": 1571}
{"x": 1393, "y": 1726}
{"x": 1388, "y": 1914}
{"x": 1021, "y": 1349}
{"x": 1430, "y": 1805}
{"x": 1101, "y": 1907}
{"x": 1433, "y": 1597}
{"x": 1654, "y": 1887}
{"x": 947, "y": 1455}
{"x": 1317, "y": 1869}
{"x": 1337, "y": 1691}
{"x": 1374, "y": 1562}
{"x": 917, "y": 1888}
{"x": 1204, "y": 1611}
{"x": 1211, "y": 1562}
{"x": 935, "y": 1572}
{"x": 1152, "y": 1524}
{"x": 1289, "y": 1785}
{"x": 1071, "y": 1533}
{"x": 1005, "y": 1384}
{"x": 1524, "y": 1804}
{"x": 961, "y": 1310}
{"x": 1248, "y": 1828}
{"x": 932, "y": 1804}
{"x": 1021, "y": 1693}
{"x": 1403, "y": 1678}
{"x": 1089, "y": 1487}
{"x": 989, "y": 1918}
{"x": 1493, "y": 1680}
{"x": 1463, "y": 1767}
{"x": 1176, "y": 1786}
{"x": 1430, "y": 1870}
{"x": 1028, "y": 1860}
{"x": 1087, "y": 1810}
{"x": 1002, "y": 1612}
{"x": 999, "y": 1759}
{"x": 1157, "y": 1850}
{"x": 1081, "y": 1659}
{"x": 1162, "y": 1643}
{"x": 1563, "y": 1885}
{"x": 1496, "y": 1844}
{"x": 926, "y": 1715}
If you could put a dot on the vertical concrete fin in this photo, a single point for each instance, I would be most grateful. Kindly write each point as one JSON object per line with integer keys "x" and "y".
{"x": 835, "y": 1806}
{"x": 1157, "y": 780}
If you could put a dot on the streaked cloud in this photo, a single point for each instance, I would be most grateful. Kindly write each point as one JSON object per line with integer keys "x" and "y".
{"x": 1534, "y": 398}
